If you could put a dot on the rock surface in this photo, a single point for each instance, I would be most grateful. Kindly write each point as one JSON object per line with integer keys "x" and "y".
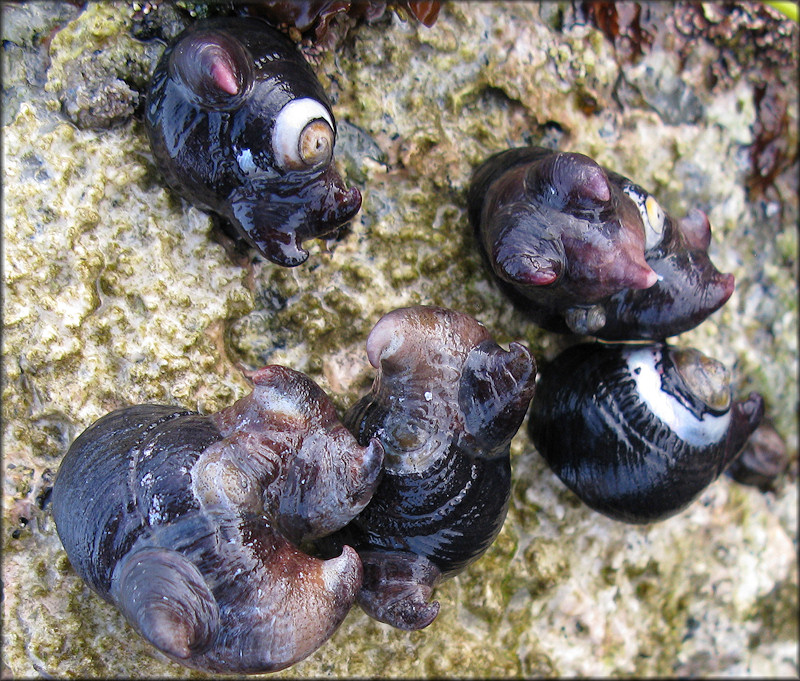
{"x": 116, "y": 293}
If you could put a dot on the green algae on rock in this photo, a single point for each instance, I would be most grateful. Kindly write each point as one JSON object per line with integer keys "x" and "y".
{"x": 116, "y": 294}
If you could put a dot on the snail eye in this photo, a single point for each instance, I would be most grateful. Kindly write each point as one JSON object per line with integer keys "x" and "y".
{"x": 303, "y": 136}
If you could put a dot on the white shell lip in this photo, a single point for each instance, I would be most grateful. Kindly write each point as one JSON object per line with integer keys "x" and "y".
{"x": 290, "y": 123}
{"x": 693, "y": 431}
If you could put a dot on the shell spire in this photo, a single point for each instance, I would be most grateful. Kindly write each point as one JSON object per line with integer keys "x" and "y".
{"x": 224, "y": 77}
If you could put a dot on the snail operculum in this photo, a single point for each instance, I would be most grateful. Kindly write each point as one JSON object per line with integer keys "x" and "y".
{"x": 653, "y": 216}
{"x": 707, "y": 378}
{"x": 303, "y": 135}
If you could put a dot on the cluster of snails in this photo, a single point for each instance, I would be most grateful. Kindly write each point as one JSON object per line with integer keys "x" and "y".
{"x": 636, "y": 431}
{"x": 237, "y": 542}
{"x": 194, "y": 526}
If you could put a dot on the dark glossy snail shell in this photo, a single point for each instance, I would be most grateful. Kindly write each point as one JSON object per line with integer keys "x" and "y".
{"x": 191, "y": 524}
{"x": 763, "y": 459}
{"x": 445, "y": 403}
{"x": 638, "y": 431}
{"x": 582, "y": 249}
{"x": 239, "y": 125}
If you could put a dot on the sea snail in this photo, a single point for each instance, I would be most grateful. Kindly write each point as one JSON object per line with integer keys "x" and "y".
{"x": 191, "y": 524}
{"x": 445, "y": 403}
{"x": 638, "y": 431}
{"x": 582, "y": 249}
{"x": 239, "y": 125}
{"x": 762, "y": 460}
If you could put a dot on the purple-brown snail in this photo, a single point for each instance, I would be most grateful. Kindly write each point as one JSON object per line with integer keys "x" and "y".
{"x": 638, "y": 431}
{"x": 762, "y": 460}
{"x": 445, "y": 404}
{"x": 192, "y": 524}
{"x": 582, "y": 249}
{"x": 239, "y": 125}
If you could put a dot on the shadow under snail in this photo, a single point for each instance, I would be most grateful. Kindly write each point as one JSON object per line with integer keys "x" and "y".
{"x": 638, "y": 431}
{"x": 239, "y": 125}
{"x": 445, "y": 404}
{"x": 191, "y": 525}
{"x": 584, "y": 250}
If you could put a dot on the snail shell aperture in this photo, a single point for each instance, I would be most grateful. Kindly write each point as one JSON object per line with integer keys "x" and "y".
{"x": 638, "y": 431}
{"x": 191, "y": 524}
{"x": 445, "y": 403}
{"x": 239, "y": 125}
{"x": 582, "y": 249}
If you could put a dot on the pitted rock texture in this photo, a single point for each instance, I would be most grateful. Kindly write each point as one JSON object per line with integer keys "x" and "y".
{"x": 116, "y": 292}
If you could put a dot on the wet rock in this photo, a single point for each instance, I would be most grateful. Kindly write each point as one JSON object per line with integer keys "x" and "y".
{"x": 116, "y": 293}
{"x": 102, "y": 103}
{"x": 101, "y": 81}
{"x": 159, "y": 20}
{"x": 27, "y": 31}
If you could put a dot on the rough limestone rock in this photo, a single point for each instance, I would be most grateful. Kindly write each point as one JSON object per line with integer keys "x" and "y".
{"x": 116, "y": 292}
